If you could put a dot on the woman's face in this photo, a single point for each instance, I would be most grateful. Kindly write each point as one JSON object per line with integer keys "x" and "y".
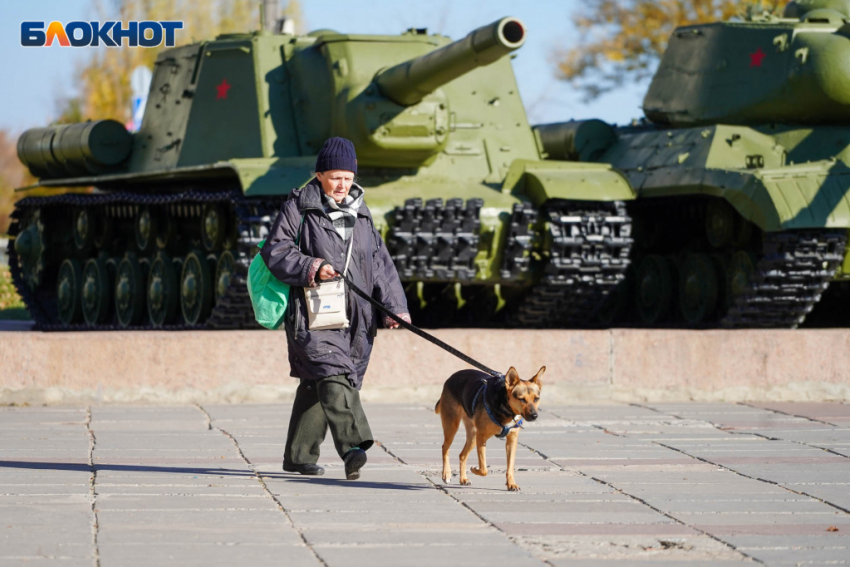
{"x": 336, "y": 183}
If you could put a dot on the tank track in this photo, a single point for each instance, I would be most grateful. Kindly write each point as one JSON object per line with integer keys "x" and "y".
{"x": 795, "y": 268}
{"x": 589, "y": 246}
{"x": 435, "y": 240}
{"x": 232, "y": 311}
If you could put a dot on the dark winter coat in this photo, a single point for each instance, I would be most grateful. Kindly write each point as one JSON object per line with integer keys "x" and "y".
{"x": 317, "y": 354}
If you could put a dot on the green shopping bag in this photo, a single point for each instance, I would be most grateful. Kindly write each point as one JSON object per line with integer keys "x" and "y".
{"x": 269, "y": 295}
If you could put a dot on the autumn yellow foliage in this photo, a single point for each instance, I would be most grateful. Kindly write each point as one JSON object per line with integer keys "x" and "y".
{"x": 622, "y": 40}
{"x": 12, "y": 175}
{"x": 9, "y": 298}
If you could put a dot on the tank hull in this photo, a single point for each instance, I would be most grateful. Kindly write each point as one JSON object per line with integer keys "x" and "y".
{"x": 729, "y": 230}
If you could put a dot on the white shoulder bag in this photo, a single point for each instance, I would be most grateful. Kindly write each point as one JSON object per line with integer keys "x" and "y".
{"x": 326, "y": 302}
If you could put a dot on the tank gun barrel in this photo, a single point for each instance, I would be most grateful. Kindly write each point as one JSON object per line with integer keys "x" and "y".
{"x": 409, "y": 82}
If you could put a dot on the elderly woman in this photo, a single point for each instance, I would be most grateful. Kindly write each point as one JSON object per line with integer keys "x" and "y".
{"x": 308, "y": 243}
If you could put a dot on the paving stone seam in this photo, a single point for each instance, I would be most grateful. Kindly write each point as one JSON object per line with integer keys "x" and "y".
{"x": 757, "y": 479}
{"x": 442, "y": 489}
{"x": 780, "y": 412}
{"x": 201, "y": 496}
{"x": 727, "y": 468}
{"x": 593, "y": 425}
{"x": 769, "y": 438}
{"x": 763, "y": 436}
{"x": 756, "y": 434}
{"x": 644, "y": 502}
{"x": 262, "y": 482}
{"x": 38, "y": 557}
{"x": 93, "y": 488}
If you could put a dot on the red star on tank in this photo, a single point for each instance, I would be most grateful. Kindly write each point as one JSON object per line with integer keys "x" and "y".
{"x": 222, "y": 89}
{"x": 757, "y": 57}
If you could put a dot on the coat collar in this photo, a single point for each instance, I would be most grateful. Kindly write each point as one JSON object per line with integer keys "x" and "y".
{"x": 310, "y": 197}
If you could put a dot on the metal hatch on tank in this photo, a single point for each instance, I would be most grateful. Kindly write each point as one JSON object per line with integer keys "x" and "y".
{"x": 482, "y": 229}
{"x": 741, "y": 172}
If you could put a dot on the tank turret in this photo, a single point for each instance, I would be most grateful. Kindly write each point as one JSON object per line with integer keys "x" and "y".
{"x": 793, "y": 69}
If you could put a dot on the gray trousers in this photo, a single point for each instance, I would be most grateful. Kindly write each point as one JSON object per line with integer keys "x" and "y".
{"x": 328, "y": 402}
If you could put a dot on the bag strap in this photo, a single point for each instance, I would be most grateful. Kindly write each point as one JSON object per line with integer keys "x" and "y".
{"x": 348, "y": 256}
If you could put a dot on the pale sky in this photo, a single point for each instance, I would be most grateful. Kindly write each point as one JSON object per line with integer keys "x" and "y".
{"x": 34, "y": 77}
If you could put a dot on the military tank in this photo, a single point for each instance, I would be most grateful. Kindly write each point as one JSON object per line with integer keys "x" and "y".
{"x": 482, "y": 229}
{"x": 741, "y": 172}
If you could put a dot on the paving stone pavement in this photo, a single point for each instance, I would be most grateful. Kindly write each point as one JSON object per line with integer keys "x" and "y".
{"x": 606, "y": 485}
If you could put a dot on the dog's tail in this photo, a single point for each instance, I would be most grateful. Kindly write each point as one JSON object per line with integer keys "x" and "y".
{"x": 437, "y": 407}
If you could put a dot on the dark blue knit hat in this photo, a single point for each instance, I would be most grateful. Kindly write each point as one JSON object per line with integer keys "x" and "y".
{"x": 337, "y": 153}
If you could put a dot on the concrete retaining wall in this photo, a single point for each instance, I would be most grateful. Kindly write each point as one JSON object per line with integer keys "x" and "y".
{"x": 583, "y": 366}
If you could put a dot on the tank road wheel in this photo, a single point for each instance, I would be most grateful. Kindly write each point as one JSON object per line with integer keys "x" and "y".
{"x": 743, "y": 233}
{"x": 129, "y": 291}
{"x": 146, "y": 230}
{"x": 166, "y": 230}
{"x": 68, "y": 294}
{"x": 224, "y": 269}
{"x": 654, "y": 287}
{"x": 720, "y": 223}
{"x": 739, "y": 273}
{"x": 97, "y": 291}
{"x": 725, "y": 227}
{"x": 163, "y": 294}
{"x": 698, "y": 290}
{"x": 196, "y": 288}
{"x": 83, "y": 230}
{"x": 29, "y": 246}
{"x": 213, "y": 227}
{"x": 103, "y": 230}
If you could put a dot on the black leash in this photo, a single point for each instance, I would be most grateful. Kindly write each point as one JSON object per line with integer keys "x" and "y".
{"x": 417, "y": 331}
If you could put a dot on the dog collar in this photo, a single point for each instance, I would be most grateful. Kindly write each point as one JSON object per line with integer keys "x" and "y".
{"x": 505, "y": 428}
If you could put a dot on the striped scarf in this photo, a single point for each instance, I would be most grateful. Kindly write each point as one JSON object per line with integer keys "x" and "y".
{"x": 344, "y": 215}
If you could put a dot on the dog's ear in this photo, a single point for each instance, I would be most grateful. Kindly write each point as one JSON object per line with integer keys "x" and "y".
{"x": 536, "y": 379}
{"x": 511, "y": 378}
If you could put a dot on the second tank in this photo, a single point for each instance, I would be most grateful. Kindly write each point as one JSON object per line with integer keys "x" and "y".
{"x": 741, "y": 172}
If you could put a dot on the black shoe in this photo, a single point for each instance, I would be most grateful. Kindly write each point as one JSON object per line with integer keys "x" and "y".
{"x": 306, "y": 469}
{"x": 354, "y": 461}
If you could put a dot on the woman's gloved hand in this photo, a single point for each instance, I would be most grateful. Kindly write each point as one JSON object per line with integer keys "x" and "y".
{"x": 327, "y": 272}
{"x": 390, "y": 323}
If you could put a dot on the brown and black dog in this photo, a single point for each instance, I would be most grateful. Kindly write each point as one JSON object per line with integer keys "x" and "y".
{"x": 480, "y": 400}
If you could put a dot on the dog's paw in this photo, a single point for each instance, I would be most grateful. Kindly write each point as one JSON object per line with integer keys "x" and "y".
{"x": 465, "y": 482}
{"x": 512, "y": 487}
{"x": 479, "y": 472}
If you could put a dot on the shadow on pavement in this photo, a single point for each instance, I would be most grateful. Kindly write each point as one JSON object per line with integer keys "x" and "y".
{"x": 350, "y": 483}
{"x": 84, "y": 467}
